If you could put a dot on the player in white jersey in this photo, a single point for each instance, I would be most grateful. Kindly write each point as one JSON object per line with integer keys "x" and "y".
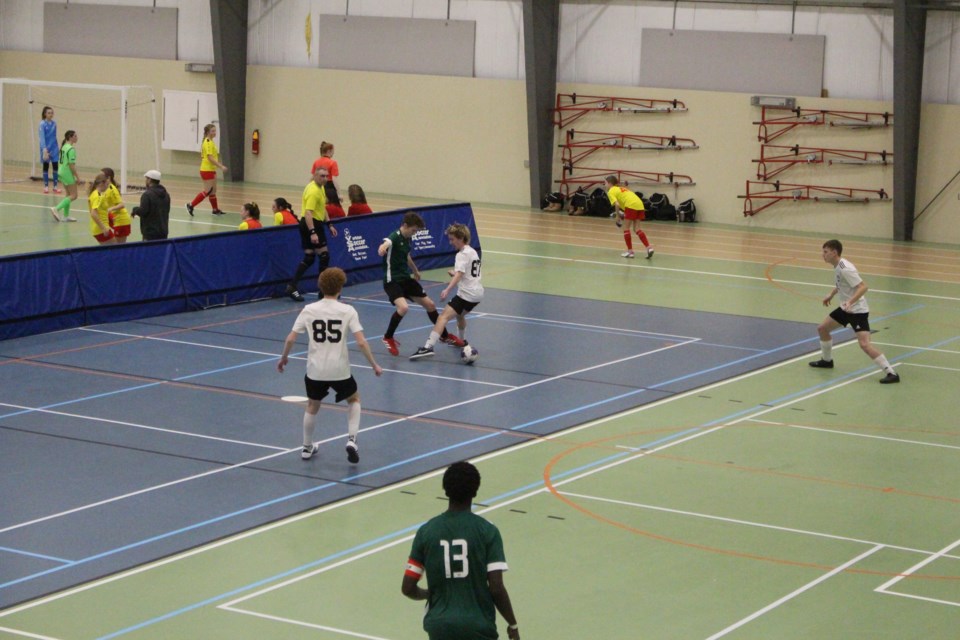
{"x": 328, "y": 323}
{"x": 466, "y": 277}
{"x": 853, "y": 310}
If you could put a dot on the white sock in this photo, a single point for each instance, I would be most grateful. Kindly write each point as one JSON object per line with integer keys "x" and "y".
{"x": 353, "y": 419}
{"x": 882, "y": 362}
{"x": 432, "y": 340}
{"x": 826, "y": 349}
{"x": 309, "y": 425}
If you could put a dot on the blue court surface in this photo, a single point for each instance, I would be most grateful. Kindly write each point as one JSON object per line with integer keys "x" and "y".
{"x": 126, "y": 442}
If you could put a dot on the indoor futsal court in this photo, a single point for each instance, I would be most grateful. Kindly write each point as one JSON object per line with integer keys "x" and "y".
{"x": 659, "y": 457}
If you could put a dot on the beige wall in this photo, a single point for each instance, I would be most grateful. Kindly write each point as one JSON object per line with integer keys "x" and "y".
{"x": 466, "y": 139}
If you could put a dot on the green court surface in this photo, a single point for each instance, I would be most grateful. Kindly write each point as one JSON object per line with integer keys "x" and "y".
{"x": 788, "y": 503}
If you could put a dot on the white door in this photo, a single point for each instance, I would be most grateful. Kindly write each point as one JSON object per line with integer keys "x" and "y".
{"x": 185, "y": 113}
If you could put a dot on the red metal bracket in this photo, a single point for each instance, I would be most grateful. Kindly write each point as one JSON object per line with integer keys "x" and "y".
{"x": 775, "y": 159}
{"x": 570, "y": 106}
{"x": 772, "y": 127}
{"x": 588, "y": 142}
{"x": 776, "y": 192}
{"x": 625, "y": 177}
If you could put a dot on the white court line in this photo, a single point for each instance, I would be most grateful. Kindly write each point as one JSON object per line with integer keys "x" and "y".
{"x": 916, "y": 597}
{"x": 145, "y": 427}
{"x": 25, "y": 634}
{"x": 149, "y": 566}
{"x": 730, "y": 275}
{"x": 749, "y": 523}
{"x": 929, "y": 366}
{"x": 903, "y": 574}
{"x": 912, "y": 348}
{"x": 301, "y": 623}
{"x": 793, "y": 594}
{"x": 292, "y": 357}
{"x": 859, "y": 435}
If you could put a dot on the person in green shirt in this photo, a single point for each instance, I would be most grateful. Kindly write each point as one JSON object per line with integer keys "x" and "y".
{"x": 462, "y": 556}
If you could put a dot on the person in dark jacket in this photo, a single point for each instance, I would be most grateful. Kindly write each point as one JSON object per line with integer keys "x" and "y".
{"x": 154, "y": 209}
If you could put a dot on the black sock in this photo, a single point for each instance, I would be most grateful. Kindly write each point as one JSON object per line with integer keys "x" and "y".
{"x": 434, "y": 316}
{"x": 394, "y": 323}
{"x": 301, "y": 269}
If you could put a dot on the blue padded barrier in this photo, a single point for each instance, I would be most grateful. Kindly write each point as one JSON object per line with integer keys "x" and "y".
{"x": 63, "y": 289}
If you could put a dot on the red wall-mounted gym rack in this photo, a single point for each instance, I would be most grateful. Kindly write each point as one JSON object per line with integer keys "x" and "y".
{"x": 581, "y": 144}
{"x": 773, "y": 126}
{"x": 625, "y": 177}
{"x": 776, "y": 192}
{"x": 570, "y": 106}
{"x": 775, "y": 159}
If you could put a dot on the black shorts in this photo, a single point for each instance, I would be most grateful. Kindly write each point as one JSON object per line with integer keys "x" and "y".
{"x": 305, "y": 234}
{"x": 409, "y": 289}
{"x": 318, "y": 389}
{"x": 857, "y": 321}
{"x": 462, "y": 306}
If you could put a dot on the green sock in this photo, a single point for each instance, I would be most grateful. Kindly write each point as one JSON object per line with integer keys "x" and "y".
{"x": 64, "y": 206}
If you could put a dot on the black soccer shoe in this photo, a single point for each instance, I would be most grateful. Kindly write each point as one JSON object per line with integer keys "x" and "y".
{"x": 822, "y": 364}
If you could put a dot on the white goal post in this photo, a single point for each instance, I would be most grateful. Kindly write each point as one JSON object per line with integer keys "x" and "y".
{"x": 116, "y": 127}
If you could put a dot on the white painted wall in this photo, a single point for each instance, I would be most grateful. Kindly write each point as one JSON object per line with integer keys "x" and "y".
{"x": 599, "y": 41}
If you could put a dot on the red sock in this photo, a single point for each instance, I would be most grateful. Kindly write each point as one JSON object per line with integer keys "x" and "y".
{"x": 628, "y": 240}
{"x": 197, "y": 200}
{"x": 213, "y": 202}
{"x": 643, "y": 238}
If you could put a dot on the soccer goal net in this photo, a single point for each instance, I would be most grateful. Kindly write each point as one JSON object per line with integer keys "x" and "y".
{"x": 116, "y": 127}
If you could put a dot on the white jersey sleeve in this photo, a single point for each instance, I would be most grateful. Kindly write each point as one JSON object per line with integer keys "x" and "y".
{"x": 848, "y": 279}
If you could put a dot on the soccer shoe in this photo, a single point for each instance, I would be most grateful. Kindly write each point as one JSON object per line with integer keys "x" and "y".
{"x": 453, "y": 341}
{"x": 649, "y": 252}
{"x": 308, "y": 450}
{"x": 890, "y": 378}
{"x": 822, "y": 364}
{"x": 190, "y": 209}
{"x": 217, "y": 212}
{"x": 422, "y": 352}
{"x": 46, "y": 189}
{"x": 57, "y": 190}
{"x": 69, "y": 219}
{"x": 294, "y": 295}
{"x": 626, "y": 254}
{"x": 56, "y": 214}
{"x": 392, "y": 346}
{"x": 353, "y": 454}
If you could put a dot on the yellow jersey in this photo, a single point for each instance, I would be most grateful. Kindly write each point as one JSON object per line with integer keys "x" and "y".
{"x": 111, "y": 198}
{"x": 625, "y": 198}
{"x": 94, "y": 200}
{"x": 208, "y": 148}
{"x": 315, "y": 200}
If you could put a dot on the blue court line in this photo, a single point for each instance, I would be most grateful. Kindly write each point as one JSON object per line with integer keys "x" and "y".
{"x": 34, "y": 555}
{"x": 491, "y": 501}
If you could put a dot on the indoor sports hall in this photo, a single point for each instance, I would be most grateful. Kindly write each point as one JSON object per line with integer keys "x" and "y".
{"x": 657, "y": 453}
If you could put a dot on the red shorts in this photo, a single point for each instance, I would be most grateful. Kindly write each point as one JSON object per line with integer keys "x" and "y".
{"x": 633, "y": 214}
{"x": 122, "y": 231}
{"x": 102, "y": 237}
{"x": 208, "y": 175}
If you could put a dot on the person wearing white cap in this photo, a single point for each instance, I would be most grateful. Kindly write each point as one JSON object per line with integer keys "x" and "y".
{"x": 154, "y": 209}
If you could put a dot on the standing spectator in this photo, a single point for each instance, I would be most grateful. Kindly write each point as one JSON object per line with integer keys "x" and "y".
{"x": 333, "y": 206}
{"x": 853, "y": 310}
{"x": 209, "y": 161}
{"x": 99, "y": 222}
{"x": 251, "y": 217}
{"x": 154, "y": 209}
{"x": 117, "y": 214}
{"x": 283, "y": 212}
{"x": 313, "y": 240}
{"x": 358, "y": 201}
{"x": 627, "y": 204}
{"x": 466, "y": 277}
{"x": 401, "y": 281}
{"x": 328, "y": 324}
{"x": 49, "y": 149}
{"x": 68, "y": 177}
{"x": 462, "y": 556}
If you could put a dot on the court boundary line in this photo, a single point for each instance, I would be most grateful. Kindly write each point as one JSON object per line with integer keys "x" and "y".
{"x": 855, "y": 434}
{"x": 737, "y": 275}
{"x": 909, "y": 572}
{"x": 27, "y": 634}
{"x": 793, "y": 594}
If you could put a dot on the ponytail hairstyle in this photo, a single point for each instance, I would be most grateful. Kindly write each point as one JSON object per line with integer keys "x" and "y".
{"x": 206, "y": 129}
{"x": 253, "y": 209}
{"x": 325, "y": 147}
{"x": 99, "y": 181}
{"x": 282, "y": 204}
{"x": 111, "y": 176}
{"x": 69, "y": 134}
